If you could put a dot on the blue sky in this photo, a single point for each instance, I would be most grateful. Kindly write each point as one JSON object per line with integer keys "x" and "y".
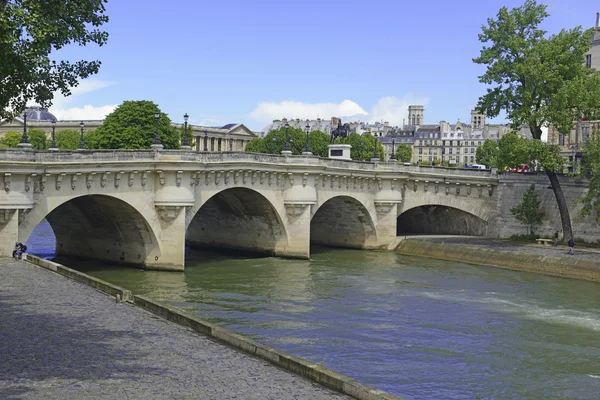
{"x": 252, "y": 61}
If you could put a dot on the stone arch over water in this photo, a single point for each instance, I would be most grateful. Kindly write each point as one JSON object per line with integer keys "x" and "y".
{"x": 98, "y": 227}
{"x": 343, "y": 221}
{"x": 436, "y": 219}
{"x": 237, "y": 219}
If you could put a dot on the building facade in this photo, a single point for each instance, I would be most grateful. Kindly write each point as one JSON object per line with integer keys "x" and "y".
{"x": 230, "y": 137}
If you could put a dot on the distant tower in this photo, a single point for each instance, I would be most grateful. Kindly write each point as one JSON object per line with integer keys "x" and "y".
{"x": 477, "y": 120}
{"x": 415, "y": 115}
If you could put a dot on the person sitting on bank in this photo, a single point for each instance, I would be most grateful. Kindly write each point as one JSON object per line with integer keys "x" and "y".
{"x": 16, "y": 250}
{"x": 571, "y": 245}
{"x": 20, "y": 248}
{"x": 556, "y": 239}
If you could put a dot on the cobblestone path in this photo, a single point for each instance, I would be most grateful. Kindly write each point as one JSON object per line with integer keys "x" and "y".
{"x": 62, "y": 340}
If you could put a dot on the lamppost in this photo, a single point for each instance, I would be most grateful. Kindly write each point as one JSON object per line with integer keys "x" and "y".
{"x": 230, "y": 144}
{"x": 205, "y": 140}
{"x": 286, "y": 147}
{"x": 53, "y": 144}
{"x": 81, "y": 143}
{"x": 157, "y": 145}
{"x": 362, "y": 148}
{"x": 24, "y": 139}
{"x": 307, "y": 151}
{"x": 393, "y": 157}
{"x": 186, "y": 144}
{"x": 375, "y": 158}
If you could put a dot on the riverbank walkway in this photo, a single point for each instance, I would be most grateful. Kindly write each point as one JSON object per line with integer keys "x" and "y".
{"x": 62, "y": 340}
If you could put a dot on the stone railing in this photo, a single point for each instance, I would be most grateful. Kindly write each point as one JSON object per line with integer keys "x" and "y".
{"x": 10, "y": 156}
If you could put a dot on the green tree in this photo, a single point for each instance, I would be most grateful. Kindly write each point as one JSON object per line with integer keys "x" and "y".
{"x": 487, "y": 154}
{"x": 318, "y": 142}
{"x": 255, "y": 145}
{"x": 37, "y": 138}
{"x": 591, "y": 168}
{"x": 404, "y": 153}
{"x": 528, "y": 211}
{"x": 29, "y": 32}
{"x": 132, "y": 126}
{"x": 11, "y": 139}
{"x": 512, "y": 151}
{"x": 530, "y": 72}
{"x": 68, "y": 139}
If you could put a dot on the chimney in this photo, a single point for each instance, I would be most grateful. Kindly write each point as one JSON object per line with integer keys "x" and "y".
{"x": 598, "y": 20}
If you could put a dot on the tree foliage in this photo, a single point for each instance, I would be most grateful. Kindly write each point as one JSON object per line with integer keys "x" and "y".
{"x": 514, "y": 151}
{"x": 528, "y": 211}
{"x": 591, "y": 168}
{"x": 132, "y": 126}
{"x": 536, "y": 79}
{"x": 37, "y": 138}
{"x": 68, "y": 139}
{"x": 363, "y": 146}
{"x": 487, "y": 154}
{"x": 530, "y": 72}
{"x": 11, "y": 138}
{"x": 29, "y": 32}
{"x": 404, "y": 153}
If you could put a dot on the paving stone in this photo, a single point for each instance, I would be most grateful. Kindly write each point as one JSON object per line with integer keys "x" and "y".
{"x": 62, "y": 340}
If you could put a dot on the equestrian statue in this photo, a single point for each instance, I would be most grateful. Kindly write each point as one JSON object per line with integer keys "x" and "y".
{"x": 341, "y": 131}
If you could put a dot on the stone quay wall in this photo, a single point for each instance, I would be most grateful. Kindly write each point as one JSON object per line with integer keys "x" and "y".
{"x": 511, "y": 188}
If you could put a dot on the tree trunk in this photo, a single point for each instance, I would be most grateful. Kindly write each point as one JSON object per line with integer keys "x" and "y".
{"x": 562, "y": 205}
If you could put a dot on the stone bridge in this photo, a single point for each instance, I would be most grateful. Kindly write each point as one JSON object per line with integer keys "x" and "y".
{"x": 143, "y": 207}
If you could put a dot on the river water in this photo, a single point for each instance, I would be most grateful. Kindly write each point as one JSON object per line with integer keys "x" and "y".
{"x": 414, "y": 327}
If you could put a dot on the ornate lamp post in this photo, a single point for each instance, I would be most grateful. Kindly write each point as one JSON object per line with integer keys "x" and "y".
{"x": 205, "y": 140}
{"x": 24, "y": 139}
{"x": 286, "y": 147}
{"x": 157, "y": 145}
{"x": 53, "y": 144}
{"x": 393, "y": 157}
{"x": 81, "y": 142}
{"x": 186, "y": 144}
{"x": 307, "y": 151}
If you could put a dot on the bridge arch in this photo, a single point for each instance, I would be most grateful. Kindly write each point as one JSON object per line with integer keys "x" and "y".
{"x": 237, "y": 218}
{"x": 96, "y": 226}
{"x": 343, "y": 221}
{"x": 443, "y": 214}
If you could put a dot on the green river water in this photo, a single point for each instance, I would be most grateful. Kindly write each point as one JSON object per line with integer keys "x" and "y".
{"x": 415, "y": 327}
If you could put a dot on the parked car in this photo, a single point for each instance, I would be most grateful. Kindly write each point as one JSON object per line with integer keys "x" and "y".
{"x": 478, "y": 166}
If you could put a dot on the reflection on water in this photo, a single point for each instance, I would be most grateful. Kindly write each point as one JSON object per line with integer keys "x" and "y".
{"x": 415, "y": 327}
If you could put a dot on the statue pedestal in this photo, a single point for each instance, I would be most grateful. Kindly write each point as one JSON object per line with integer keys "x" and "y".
{"x": 339, "y": 151}
{"x": 286, "y": 153}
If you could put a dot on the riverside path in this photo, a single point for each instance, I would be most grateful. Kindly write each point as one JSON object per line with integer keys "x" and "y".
{"x": 63, "y": 340}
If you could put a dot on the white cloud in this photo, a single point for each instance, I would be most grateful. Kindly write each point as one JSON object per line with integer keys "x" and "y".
{"x": 266, "y": 112}
{"x": 87, "y": 112}
{"x": 60, "y": 105}
{"x": 391, "y": 109}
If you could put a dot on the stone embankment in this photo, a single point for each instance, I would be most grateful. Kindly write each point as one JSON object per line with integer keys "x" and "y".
{"x": 65, "y": 340}
{"x": 548, "y": 260}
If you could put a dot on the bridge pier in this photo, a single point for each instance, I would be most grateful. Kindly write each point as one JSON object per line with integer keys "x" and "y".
{"x": 298, "y": 230}
{"x": 9, "y": 231}
{"x": 171, "y": 237}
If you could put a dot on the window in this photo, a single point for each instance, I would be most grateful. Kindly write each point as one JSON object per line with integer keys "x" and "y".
{"x": 450, "y": 150}
{"x": 472, "y": 149}
{"x": 472, "y": 159}
{"x": 561, "y": 139}
{"x": 588, "y": 61}
{"x": 430, "y": 158}
{"x": 420, "y": 150}
{"x": 586, "y": 134}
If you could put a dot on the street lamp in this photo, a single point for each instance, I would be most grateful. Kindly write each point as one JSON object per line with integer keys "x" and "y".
{"x": 24, "y": 139}
{"x": 287, "y": 144}
{"x": 205, "y": 140}
{"x": 81, "y": 143}
{"x": 186, "y": 143}
{"x": 157, "y": 143}
{"x": 393, "y": 157}
{"x": 53, "y": 144}
{"x": 307, "y": 147}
